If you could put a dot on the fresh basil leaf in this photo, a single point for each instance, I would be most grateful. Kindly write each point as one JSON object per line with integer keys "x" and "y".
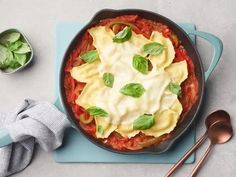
{"x": 20, "y": 58}
{"x": 14, "y": 46}
{"x": 4, "y": 53}
{"x": 9, "y": 37}
{"x": 14, "y": 64}
{"x": 123, "y": 35}
{"x": 144, "y": 122}
{"x": 96, "y": 111}
{"x": 11, "y": 63}
{"x": 108, "y": 79}
{"x": 140, "y": 63}
{"x": 24, "y": 48}
{"x": 10, "y": 55}
{"x": 6, "y": 58}
{"x": 174, "y": 88}
{"x": 90, "y": 56}
{"x": 153, "y": 48}
{"x": 2, "y": 65}
{"x": 133, "y": 90}
{"x": 100, "y": 129}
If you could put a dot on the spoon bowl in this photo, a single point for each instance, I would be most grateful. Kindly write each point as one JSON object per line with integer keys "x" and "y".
{"x": 218, "y": 116}
{"x": 220, "y": 133}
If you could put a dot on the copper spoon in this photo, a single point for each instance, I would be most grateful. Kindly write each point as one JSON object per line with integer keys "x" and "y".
{"x": 217, "y": 116}
{"x": 219, "y": 133}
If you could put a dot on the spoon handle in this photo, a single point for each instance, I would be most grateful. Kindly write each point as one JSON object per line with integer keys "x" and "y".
{"x": 190, "y": 151}
{"x": 203, "y": 159}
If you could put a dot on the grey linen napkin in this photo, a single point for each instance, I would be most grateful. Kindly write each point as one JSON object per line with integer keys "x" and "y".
{"x": 32, "y": 122}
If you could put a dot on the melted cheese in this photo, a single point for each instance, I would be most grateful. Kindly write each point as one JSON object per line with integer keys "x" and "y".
{"x": 109, "y": 52}
{"x": 116, "y": 58}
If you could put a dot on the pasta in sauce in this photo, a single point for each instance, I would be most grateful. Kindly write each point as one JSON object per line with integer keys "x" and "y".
{"x": 74, "y": 88}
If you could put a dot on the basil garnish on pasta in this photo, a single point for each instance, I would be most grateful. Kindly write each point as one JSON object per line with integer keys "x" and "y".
{"x": 174, "y": 88}
{"x": 108, "y": 79}
{"x": 153, "y": 48}
{"x": 100, "y": 129}
{"x": 140, "y": 64}
{"x": 90, "y": 56}
{"x": 96, "y": 111}
{"x": 133, "y": 90}
{"x": 144, "y": 122}
{"x": 123, "y": 35}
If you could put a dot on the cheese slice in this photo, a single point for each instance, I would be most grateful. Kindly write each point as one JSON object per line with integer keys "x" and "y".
{"x": 116, "y": 58}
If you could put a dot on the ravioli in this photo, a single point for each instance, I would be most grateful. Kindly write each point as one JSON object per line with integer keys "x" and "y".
{"x": 178, "y": 71}
{"x": 116, "y": 58}
{"x": 166, "y": 57}
{"x": 86, "y": 72}
{"x": 166, "y": 121}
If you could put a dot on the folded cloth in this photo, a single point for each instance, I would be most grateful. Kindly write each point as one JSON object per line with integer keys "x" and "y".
{"x": 32, "y": 122}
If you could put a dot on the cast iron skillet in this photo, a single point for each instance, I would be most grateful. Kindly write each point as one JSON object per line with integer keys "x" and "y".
{"x": 192, "y": 52}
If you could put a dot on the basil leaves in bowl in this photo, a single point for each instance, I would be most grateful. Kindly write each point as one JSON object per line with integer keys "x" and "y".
{"x": 15, "y": 51}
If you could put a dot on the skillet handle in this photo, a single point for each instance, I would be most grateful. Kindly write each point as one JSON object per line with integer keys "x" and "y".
{"x": 5, "y": 138}
{"x": 218, "y": 48}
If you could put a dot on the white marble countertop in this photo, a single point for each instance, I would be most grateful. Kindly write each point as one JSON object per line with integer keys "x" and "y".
{"x": 37, "y": 19}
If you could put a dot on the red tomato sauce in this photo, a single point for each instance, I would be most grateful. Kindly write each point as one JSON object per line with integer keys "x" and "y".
{"x": 145, "y": 27}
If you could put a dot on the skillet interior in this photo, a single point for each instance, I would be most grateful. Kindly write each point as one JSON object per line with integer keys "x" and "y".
{"x": 192, "y": 52}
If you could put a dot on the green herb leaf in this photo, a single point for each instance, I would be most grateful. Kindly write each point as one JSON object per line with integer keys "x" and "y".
{"x": 174, "y": 88}
{"x": 6, "y": 58}
{"x": 144, "y": 122}
{"x": 140, "y": 63}
{"x": 90, "y": 56}
{"x": 14, "y": 64}
{"x": 20, "y": 58}
{"x": 11, "y": 63}
{"x": 15, "y": 46}
{"x": 108, "y": 79}
{"x": 153, "y": 48}
{"x": 2, "y": 66}
{"x": 96, "y": 111}
{"x": 133, "y": 89}
{"x": 100, "y": 129}
{"x": 9, "y": 37}
{"x": 24, "y": 48}
{"x": 123, "y": 35}
{"x": 4, "y": 53}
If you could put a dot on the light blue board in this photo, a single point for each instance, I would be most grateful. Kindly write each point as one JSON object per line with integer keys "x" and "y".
{"x": 78, "y": 149}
